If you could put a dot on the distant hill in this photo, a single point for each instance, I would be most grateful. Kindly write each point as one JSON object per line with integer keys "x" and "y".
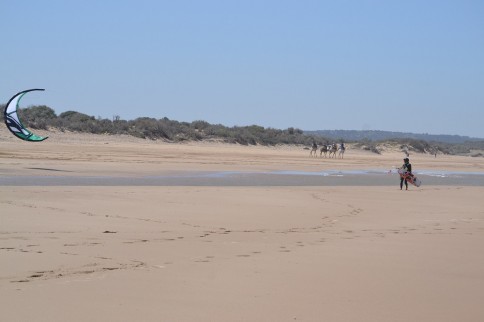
{"x": 354, "y": 135}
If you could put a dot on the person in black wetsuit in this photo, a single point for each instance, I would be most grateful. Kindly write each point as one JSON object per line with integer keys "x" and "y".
{"x": 408, "y": 168}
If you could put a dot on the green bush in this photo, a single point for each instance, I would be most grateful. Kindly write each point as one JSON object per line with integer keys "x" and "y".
{"x": 38, "y": 117}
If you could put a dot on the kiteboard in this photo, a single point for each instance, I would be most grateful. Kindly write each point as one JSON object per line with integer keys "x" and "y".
{"x": 409, "y": 177}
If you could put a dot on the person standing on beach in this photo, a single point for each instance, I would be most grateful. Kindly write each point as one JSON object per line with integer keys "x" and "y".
{"x": 314, "y": 149}
{"x": 407, "y": 167}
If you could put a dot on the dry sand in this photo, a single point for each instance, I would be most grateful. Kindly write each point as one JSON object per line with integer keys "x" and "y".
{"x": 232, "y": 253}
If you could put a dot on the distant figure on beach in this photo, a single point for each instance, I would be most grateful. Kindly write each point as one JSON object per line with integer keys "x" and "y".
{"x": 324, "y": 149}
{"x": 407, "y": 167}
{"x": 314, "y": 149}
{"x": 333, "y": 149}
{"x": 342, "y": 150}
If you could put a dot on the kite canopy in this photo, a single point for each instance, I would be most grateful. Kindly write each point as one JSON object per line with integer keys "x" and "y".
{"x": 13, "y": 122}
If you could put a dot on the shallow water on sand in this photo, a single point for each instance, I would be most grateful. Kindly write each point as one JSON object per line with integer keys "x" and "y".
{"x": 376, "y": 177}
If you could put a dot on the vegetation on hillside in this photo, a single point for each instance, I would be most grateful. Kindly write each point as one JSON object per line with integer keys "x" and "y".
{"x": 355, "y": 135}
{"x": 43, "y": 117}
{"x": 409, "y": 145}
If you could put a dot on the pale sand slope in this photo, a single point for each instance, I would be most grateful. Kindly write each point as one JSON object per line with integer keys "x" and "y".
{"x": 233, "y": 253}
{"x": 85, "y": 154}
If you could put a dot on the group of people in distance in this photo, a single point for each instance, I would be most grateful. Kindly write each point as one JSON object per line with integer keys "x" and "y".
{"x": 331, "y": 149}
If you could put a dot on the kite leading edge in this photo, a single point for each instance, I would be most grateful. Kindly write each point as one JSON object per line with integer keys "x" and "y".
{"x": 13, "y": 122}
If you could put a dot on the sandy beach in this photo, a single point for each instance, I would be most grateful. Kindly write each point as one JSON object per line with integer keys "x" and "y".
{"x": 97, "y": 243}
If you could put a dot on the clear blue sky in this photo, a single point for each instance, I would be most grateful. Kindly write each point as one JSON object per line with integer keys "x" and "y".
{"x": 415, "y": 66}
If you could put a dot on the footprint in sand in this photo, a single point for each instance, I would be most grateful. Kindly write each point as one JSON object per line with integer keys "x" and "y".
{"x": 36, "y": 275}
{"x": 20, "y": 281}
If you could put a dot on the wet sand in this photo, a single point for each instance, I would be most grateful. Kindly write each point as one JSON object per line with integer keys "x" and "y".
{"x": 237, "y": 179}
{"x": 254, "y": 239}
